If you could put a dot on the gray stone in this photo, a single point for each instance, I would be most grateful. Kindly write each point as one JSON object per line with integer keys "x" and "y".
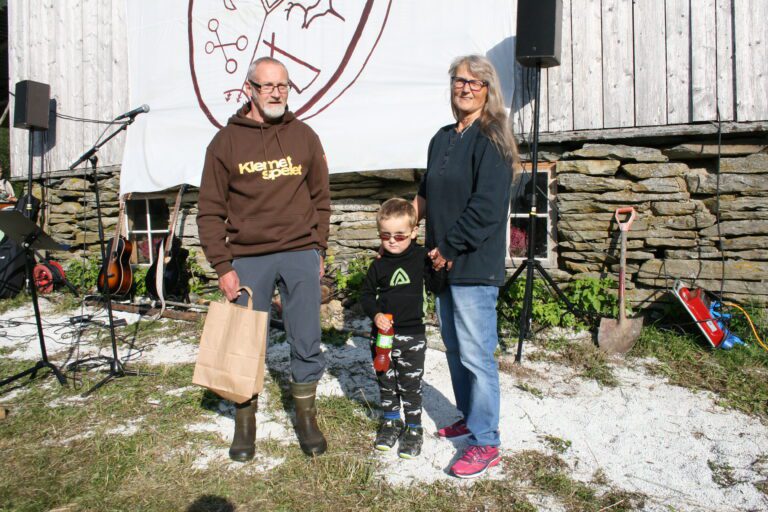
{"x": 580, "y": 236}
{"x": 695, "y": 221}
{"x": 744, "y": 215}
{"x": 87, "y": 237}
{"x": 597, "y": 245}
{"x": 354, "y": 192}
{"x": 731, "y": 203}
{"x": 737, "y": 227}
{"x": 370, "y": 244}
{"x": 700, "y": 253}
{"x": 588, "y": 216}
{"x": 639, "y": 197}
{"x": 583, "y": 183}
{"x": 637, "y": 255}
{"x": 701, "y": 269}
{"x": 673, "y": 208}
{"x": 591, "y": 167}
{"x": 347, "y": 177}
{"x": 750, "y": 165}
{"x": 598, "y": 257}
{"x": 731, "y": 284}
{"x": 755, "y": 254}
{"x": 669, "y": 242}
{"x": 744, "y": 184}
{"x": 579, "y": 225}
{"x": 660, "y": 185}
{"x": 354, "y": 205}
{"x": 393, "y": 174}
{"x": 581, "y": 268}
{"x": 619, "y": 152}
{"x": 74, "y": 184}
{"x": 67, "y": 208}
{"x": 745, "y": 242}
{"x": 62, "y": 228}
{"x": 645, "y": 171}
{"x": 377, "y": 184}
{"x": 353, "y": 216}
{"x": 659, "y": 233}
{"x": 691, "y": 151}
{"x": 357, "y": 225}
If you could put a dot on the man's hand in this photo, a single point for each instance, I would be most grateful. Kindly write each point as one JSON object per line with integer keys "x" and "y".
{"x": 322, "y": 267}
{"x": 229, "y": 284}
{"x": 382, "y": 322}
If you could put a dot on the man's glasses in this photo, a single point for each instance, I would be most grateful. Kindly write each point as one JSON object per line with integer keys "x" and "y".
{"x": 474, "y": 85}
{"x": 398, "y": 237}
{"x": 268, "y": 88}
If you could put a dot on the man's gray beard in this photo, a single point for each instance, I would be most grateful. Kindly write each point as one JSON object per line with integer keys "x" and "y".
{"x": 271, "y": 112}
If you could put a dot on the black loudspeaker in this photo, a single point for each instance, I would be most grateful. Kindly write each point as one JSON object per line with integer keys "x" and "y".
{"x": 32, "y": 105}
{"x": 539, "y": 27}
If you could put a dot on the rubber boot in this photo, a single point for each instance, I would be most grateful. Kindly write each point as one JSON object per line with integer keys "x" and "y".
{"x": 311, "y": 440}
{"x": 243, "y": 443}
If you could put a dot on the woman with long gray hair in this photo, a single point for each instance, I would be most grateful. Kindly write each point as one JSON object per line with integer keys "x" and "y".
{"x": 465, "y": 196}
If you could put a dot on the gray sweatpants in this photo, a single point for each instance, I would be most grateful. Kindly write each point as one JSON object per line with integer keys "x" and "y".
{"x": 297, "y": 276}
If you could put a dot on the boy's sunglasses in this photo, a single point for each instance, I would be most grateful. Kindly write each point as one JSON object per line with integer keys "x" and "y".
{"x": 398, "y": 238}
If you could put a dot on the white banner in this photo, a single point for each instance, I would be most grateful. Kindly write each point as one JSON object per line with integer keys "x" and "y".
{"x": 369, "y": 76}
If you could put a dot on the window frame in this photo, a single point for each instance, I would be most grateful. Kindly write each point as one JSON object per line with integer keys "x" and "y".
{"x": 150, "y": 233}
{"x": 550, "y": 260}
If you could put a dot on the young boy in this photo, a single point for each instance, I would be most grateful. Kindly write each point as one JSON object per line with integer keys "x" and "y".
{"x": 395, "y": 285}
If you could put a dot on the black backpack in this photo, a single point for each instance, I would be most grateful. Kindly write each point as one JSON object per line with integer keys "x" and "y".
{"x": 12, "y": 261}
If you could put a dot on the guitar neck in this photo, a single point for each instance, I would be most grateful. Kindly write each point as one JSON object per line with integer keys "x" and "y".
{"x": 174, "y": 218}
{"x": 119, "y": 228}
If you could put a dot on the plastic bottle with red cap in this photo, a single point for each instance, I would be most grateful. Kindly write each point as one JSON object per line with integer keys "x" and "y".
{"x": 384, "y": 346}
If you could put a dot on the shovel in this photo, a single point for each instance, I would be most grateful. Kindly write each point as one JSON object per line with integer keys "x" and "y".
{"x": 618, "y": 336}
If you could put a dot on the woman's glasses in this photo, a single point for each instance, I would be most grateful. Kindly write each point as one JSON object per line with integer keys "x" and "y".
{"x": 474, "y": 85}
{"x": 398, "y": 237}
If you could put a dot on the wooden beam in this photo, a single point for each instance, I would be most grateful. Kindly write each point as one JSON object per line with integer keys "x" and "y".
{"x": 649, "y": 132}
{"x": 190, "y": 316}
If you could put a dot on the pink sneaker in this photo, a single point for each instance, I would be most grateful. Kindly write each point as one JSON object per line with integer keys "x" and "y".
{"x": 456, "y": 431}
{"x": 476, "y": 461}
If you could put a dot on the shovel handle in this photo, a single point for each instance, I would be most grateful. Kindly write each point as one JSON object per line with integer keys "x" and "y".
{"x": 624, "y": 226}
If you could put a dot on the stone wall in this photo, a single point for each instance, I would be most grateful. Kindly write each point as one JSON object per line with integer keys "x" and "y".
{"x": 672, "y": 187}
{"x": 676, "y": 234}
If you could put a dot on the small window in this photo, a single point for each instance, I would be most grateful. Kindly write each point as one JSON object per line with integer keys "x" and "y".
{"x": 147, "y": 226}
{"x": 519, "y": 211}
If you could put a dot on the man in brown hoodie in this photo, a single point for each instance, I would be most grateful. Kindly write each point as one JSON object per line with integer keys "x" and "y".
{"x": 264, "y": 210}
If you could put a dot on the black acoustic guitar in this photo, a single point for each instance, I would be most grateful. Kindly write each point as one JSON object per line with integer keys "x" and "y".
{"x": 116, "y": 272}
{"x": 175, "y": 283}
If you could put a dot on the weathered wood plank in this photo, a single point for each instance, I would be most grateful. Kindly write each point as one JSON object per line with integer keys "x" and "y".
{"x": 587, "y": 66}
{"x": 91, "y": 71}
{"x": 751, "y": 59}
{"x": 650, "y": 69}
{"x": 618, "y": 83}
{"x": 703, "y": 60}
{"x": 725, "y": 60}
{"x": 678, "y": 61}
{"x": 560, "y": 80}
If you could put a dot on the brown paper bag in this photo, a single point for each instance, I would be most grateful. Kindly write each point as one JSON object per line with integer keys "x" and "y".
{"x": 232, "y": 352}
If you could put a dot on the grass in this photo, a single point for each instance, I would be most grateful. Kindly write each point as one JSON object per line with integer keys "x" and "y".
{"x": 739, "y": 377}
{"x": 62, "y": 452}
{"x": 585, "y": 358}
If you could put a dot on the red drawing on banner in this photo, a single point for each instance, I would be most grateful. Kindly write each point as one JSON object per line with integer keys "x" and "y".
{"x": 321, "y": 11}
{"x": 241, "y": 44}
{"x": 325, "y": 44}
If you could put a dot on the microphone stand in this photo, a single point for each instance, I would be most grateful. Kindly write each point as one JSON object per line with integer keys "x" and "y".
{"x": 116, "y": 367}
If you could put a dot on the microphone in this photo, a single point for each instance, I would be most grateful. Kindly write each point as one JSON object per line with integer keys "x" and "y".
{"x": 133, "y": 113}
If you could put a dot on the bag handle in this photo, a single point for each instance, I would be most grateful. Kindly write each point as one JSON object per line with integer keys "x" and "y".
{"x": 250, "y": 295}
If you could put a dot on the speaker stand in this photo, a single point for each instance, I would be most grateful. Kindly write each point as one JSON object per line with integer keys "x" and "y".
{"x": 531, "y": 263}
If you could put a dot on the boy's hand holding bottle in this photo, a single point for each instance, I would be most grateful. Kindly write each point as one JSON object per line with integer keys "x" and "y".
{"x": 385, "y": 325}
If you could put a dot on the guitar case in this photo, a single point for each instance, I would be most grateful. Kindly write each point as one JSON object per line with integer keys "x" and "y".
{"x": 12, "y": 263}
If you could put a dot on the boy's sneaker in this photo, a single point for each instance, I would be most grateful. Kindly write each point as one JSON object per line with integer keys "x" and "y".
{"x": 458, "y": 430}
{"x": 476, "y": 461}
{"x": 389, "y": 432}
{"x": 410, "y": 444}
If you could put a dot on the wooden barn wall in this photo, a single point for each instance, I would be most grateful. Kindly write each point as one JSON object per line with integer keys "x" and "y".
{"x": 647, "y": 63}
{"x": 79, "y": 47}
{"x": 625, "y": 64}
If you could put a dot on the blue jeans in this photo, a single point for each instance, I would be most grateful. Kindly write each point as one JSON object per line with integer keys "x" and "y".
{"x": 468, "y": 324}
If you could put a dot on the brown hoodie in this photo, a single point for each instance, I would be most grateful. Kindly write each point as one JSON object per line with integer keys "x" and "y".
{"x": 264, "y": 190}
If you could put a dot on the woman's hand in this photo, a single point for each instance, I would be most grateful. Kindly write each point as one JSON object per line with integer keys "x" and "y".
{"x": 382, "y": 322}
